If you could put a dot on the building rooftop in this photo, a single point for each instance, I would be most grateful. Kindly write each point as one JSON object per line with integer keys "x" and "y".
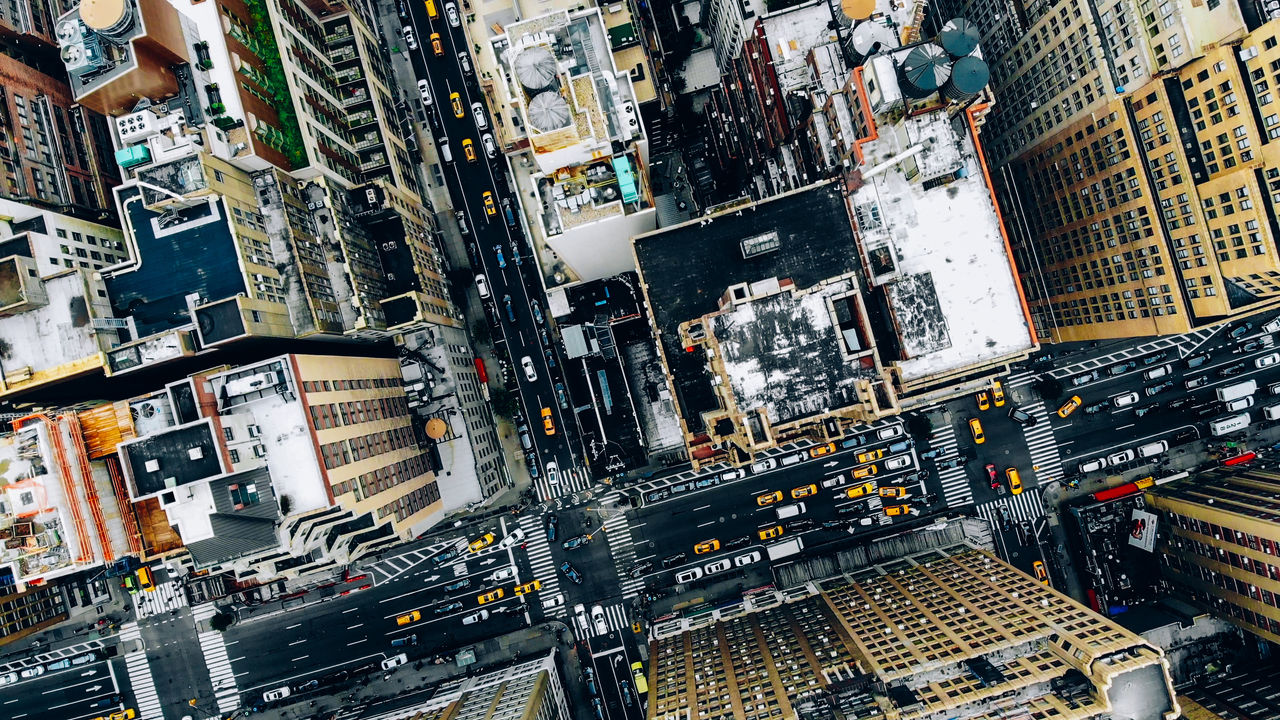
{"x": 928, "y": 226}
{"x": 187, "y": 251}
{"x": 171, "y": 458}
{"x": 792, "y": 33}
{"x": 237, "y": 516}
{"x": 61, "y": 336}
{"x": 687, "y": 269}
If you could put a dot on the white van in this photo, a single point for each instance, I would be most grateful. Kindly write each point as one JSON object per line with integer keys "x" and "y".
{"x": 1243, "y": 403}
{"x": 790, "y": 511}
{"x": 395, "y": 661}
{"x": 1271, "y": 412}
{"x": 1092, "y": 465}
{"x": 442, "y": 144}
{"x": 1124, "y": 399}
{"x": 689, "y": 575}
{"x": 792, "y": 459}
{"x": 1157, "y": 372}
{"x": 1153, "y": 449}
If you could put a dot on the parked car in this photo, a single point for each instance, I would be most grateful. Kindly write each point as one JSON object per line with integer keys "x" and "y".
{"x": 576, "y": 542}
{"x": 1195, "y": 382}
{"x": 1152, "y": 390}
{"x": 552, "y": 524}
{"x": 1240, "y": 331}
{"x": 571, "y": 572}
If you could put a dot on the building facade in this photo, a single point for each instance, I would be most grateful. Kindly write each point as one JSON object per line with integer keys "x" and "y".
{"x": 948, "y": 633}
{"x": 1218, "y": 545}
{"x": 528, "y": 689}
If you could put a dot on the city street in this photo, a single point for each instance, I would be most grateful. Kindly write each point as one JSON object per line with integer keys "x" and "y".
{"x": 508, "y": 284}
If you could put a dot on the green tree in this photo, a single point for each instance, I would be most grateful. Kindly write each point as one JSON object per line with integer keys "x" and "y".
{"x": 504, "y": 402}
{"x": 222, "y": 621}
{"x": 481, "y": 332}
{"x": 1050, "y": 389}
{"x": 920, "y": 426}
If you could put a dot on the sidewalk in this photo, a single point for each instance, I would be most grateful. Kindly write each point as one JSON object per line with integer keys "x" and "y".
{"x": 79, "y": 627}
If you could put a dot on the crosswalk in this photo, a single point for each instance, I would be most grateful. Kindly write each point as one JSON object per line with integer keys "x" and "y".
{"x": 1023, "y": 506}
{"x": 955, "y": 483}
{"x": 538, "y": 551}
{"x": 141, "y": 682}
{"x": 1184, "y": 345}
{"x": 215, "y": 658}
{"x": 165, "y": 597}
{"x": 1018, "y": 379}
{"x": 388, "y": 569}
{"x": 618, "y": 531}
{"x": 615, "y": 617}
{"x": 572, "y": 480}
{"x": 1046, "y": 463}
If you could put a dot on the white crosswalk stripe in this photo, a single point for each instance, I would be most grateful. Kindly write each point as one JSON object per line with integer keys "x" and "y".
{"x": 1046, "y": 463}
{"x": 615, "y": 618}
{"x": 955, "y": 483}
{"x": 215, "y": 659}
{"x": 388, "y": 569}
{"x": 140, "y": 679}
{"x": 572, "y": 480}
{"x": 539, "y": 552}
{"x": 1023, "y": 506}
{"x": 618, "y": 531}
{"x": 1179, "y": 345}
{"x": 163, "y": 598}
{"x": 1018, "y": 379}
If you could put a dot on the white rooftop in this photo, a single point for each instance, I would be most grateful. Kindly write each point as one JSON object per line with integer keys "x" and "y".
{"x": 792, "y": 33}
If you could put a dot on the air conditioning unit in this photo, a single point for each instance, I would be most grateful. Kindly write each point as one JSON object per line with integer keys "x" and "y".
{"x": 259, "y": 451}
{"x": 254, "y": 430}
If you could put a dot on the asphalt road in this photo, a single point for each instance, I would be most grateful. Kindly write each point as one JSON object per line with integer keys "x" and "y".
{"x": 494, "y": 243}
{"x": 83, "y": 691}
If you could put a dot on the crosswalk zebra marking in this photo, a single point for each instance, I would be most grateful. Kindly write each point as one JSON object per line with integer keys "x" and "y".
{"x": 955, "y": 481}
{"x": 221, "y": 674}
{"x": 140, "y": 679}
{"x": 1046, "y": 463}
{"x": 538, "y": 550}
{"x": 1023, "y": 506}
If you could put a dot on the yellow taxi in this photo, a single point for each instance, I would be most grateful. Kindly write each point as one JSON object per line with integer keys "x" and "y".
{"x": 1069, "y": 406}
{"x": 892, "y": 510}
{"x": 706, "y": 546}
{"x": 125, "y": 714}
{"x": 490, "y": 596}
{"x": 893, "y": 492}
{"x": 769, "y": 498}
{"x": 548, "y": 425}
{"x": 868, "y": 456}
{"x": 490, "y": 208}
{"x": 437, "y": 47}
{"x": 770, "y": 533}
{"x": 975, "y": 427}
{"x": 820, "y": 450}
{"x": 431, "y": 9}
{"x": 865, "y": 471}
{"x": 997, "y": 393}
{"x": 456, "y": 101}
{"x": 1015, "y": 480}
{"x": 858, "y": 491}
{"x": 1041, "y": 574}
{"x": 481, "y": 542}
{"x": 469, "y": 149}
{"x": 528, "y": 587}
{"x": 145, "y": 581}
{"x": 804, "y": 491}
{"x": 984, "y": 400}
{"x": 407, "y": 618}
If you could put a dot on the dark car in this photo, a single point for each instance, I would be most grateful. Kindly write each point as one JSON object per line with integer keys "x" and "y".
{"x": 1022, "y": 417}
{"x": 1195, "y": 382}
{"x": 1241, "y": 330}
{"x": 829, "y": 524}
{"x": 858, "y": 509}
{"x": 576, "y": 542}
{"x": 107, "y": 701}
{"x": 1202, "y": 411}
{"x": 552, "y": 524}
{"x": 449, "y": 554}
{"x": 1177, "y": 403}
{"x": 931, "y": 454}
{"x": 571, "y": 572}
{"x": 597, "y": 708}
{"x": 1158, "y": 388}
{"x": 589, "y": 679}
{"x": 1184, "y": 436}
{"x": 1230, "y": 370}
{"x": 951, "y": 462}
{"x": 1196, "y": 361}
{"x": 853, "y": 442}
{"x": 1122, "y": 368}
{"x": 628, "y": 697}
{"x": 1006, "y": 524}
{"x": 657, "y": 495}
{"x": 1097, "y": 407}
{"x": 1146, "y": 409}
{"x": 537, "y": 311}
{"x": 672, "y": 560}
{"x": 640, "y": 569}
{"x": 738, "y": 542}
{"x": 800, "y": 525}
{"x": 448, "y": 608}
{"x": 1153, "y": 359}
{"x": 560, "y": 395}
{"x": 460, "y": 585}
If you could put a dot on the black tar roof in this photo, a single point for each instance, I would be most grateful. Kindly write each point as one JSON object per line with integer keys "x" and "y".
{"x": 172, "y": 449}
{"x": 688, "y": 267}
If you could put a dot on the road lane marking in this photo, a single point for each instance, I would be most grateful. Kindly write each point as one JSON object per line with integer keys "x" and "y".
{"x": 298, "y": 642}
{"x": 353, "y": 627}
{"x": 290, "y": 627}
{"x": 304, "y": 657}
{"x": 357, "y": 642}
{"x": 713, "y": 522}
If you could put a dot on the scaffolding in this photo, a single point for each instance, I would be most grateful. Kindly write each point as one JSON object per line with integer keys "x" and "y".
{"x": 68, "y": 482}
{"x": 90, "y": 489}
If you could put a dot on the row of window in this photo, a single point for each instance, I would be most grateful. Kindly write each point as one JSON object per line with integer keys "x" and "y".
{"x": 330, "y": 415}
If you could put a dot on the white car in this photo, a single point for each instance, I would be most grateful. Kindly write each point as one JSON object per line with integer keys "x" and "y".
{"x": 409, "y": 38}
{"x": 475, "y": 617}
{"x": 395, "y": 661}
{"x": 553, "y": 474}
{"x": 689, "y": 575}
{"x": 1267, "y": 360}
{"x": 597, "y": 617}
{"x": 718, "y": 566}
{"x": 424, "y": 91}
{"x": 515, "y": 537}
{"x": 734, "y": 474}
{"x": 451, "y": 12}
{"x": 550, "y": 602}
{"x": 490, "y": 147}
{"x": 1120, "y": 458}
{"x": 477, "y": 112}
{"x": 897, "y": 462}
{"x": 8, "y": 678}
{"x": 580, "y": 612}
{"x": 1124, "y": 399}
{"x": 482, "y": 286}
{"x": 746, "y": 559}
{"x": 279, "y": 693}
{"x": 764, "y": 465}
{"x": 33, "y": 671}
{"x": 505, "y": 573}
{"x": 464, "y": 61}
{"x": 891, "y": 431}
{"x": 1243, "y": 403}
{"x": 530, "y": 373}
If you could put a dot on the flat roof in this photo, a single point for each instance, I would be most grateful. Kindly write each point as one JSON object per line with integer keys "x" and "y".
{"x": 175, "y": 457}
{"x": 196, "y": 255}
{"x": 58, "y": 332}
{"x": 687, "y": 268}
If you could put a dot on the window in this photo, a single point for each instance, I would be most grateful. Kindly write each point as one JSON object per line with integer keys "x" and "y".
{"x": 235, "y": 456}
{"x": 228, "y": 434}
